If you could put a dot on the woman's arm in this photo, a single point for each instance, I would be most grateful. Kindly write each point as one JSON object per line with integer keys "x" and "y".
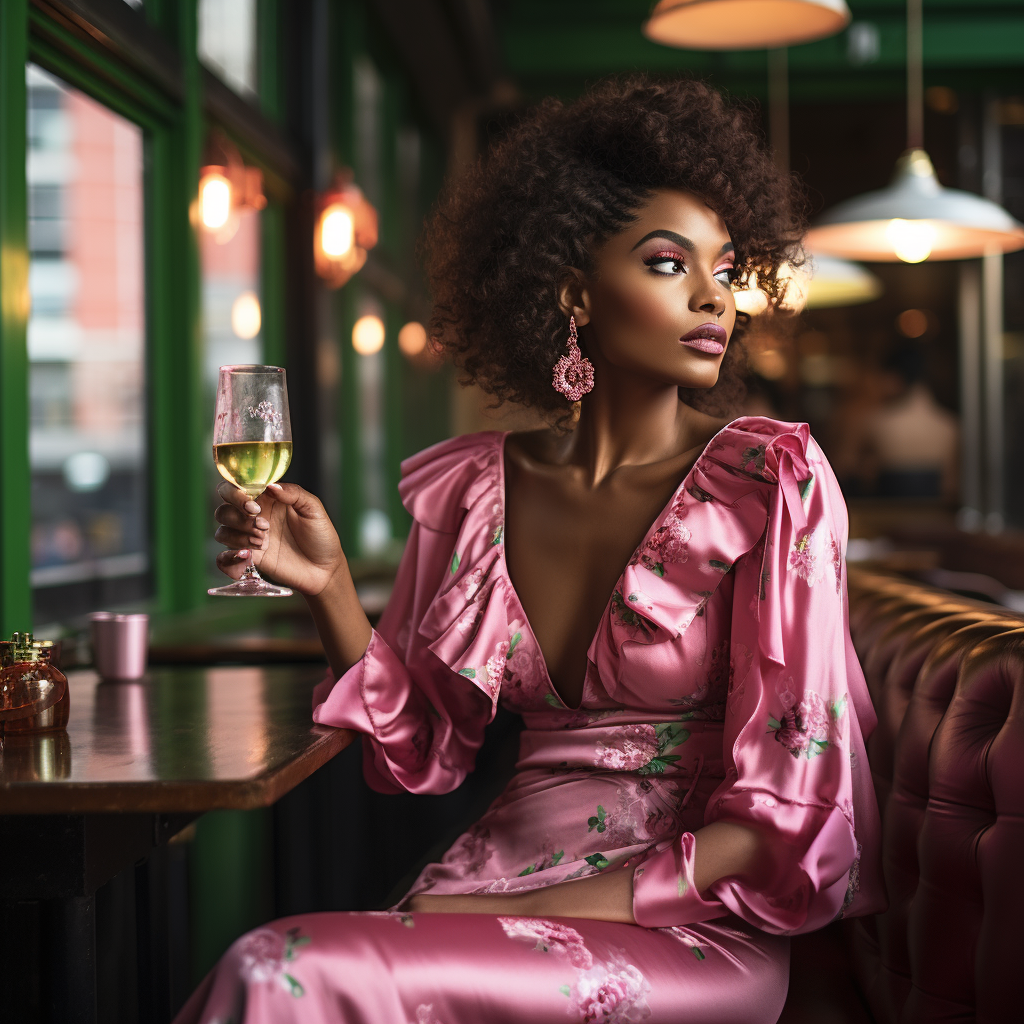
{"x": 723, "y": 849}
{"x": 294, "y": 542}
{"x": 344, "y": 629}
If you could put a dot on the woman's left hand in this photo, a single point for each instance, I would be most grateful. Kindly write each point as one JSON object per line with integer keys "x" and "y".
{"x": 604, "y": 897}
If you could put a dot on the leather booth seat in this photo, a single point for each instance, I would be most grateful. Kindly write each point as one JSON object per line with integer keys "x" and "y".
{"x": 946, "y": 675}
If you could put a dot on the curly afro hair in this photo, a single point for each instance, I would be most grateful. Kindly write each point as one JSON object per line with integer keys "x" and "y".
{"x": 562, "y": 181}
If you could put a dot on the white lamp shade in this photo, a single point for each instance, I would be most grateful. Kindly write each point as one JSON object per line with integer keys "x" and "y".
{"x": 744, "y": 24}
{"x": 837, "y": 282}
{"x": 820, "y": 282}
{"x": 940, "y": 223}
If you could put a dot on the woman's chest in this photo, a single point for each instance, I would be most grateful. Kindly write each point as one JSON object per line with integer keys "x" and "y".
{"x": 566, "y": 551}
{"x": 634, "y": 662}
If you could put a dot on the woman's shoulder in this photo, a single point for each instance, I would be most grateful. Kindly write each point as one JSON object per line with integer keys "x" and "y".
{"x": 778, "y": 455}
{"x": 439, "y": 483}
{"x": 765, "y": 448}
{"x": 751, "y": 431}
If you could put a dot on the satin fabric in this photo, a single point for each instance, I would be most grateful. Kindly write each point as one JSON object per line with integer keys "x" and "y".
{"x": 721, "y": 684}
{"x": 388, "y": 968}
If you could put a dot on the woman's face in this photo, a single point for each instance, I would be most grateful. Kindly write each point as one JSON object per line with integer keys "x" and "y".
{"x": 659, "y": 300}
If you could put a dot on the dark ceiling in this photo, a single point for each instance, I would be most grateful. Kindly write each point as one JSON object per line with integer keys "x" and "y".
{"x": 847, "y": 93}
{"x": 556, "y": 46}
{"x": 469, "y": 51}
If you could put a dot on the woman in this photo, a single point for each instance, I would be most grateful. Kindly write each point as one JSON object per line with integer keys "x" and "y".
{"x": 692, "y": 785}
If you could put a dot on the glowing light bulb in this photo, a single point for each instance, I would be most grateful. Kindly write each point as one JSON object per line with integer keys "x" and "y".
{"x": 412, "y": 338}
{"x": 337, "y": 232}
{"x": 797, "y": 280}
{"x": 750, "y": 300}
{"x": 214, "y": 201}
{"x": 911, "y": 240}
{"x": 368, "y": 335}
{"x": 245, "y": 316}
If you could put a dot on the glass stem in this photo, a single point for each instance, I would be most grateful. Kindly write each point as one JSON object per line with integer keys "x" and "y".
{"x": 250, "y": 572}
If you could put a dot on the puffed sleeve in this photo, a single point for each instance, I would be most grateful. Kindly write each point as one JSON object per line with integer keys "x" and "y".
{"x": 793, "y": 744}
{"x": 422, "y": 722}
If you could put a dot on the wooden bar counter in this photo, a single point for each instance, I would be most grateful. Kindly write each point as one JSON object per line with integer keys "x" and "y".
{"x": 138, "y": 762}
{"x": 181, "y": 741}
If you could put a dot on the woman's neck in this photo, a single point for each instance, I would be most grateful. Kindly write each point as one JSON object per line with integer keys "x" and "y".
{"x": 631, "y": 421}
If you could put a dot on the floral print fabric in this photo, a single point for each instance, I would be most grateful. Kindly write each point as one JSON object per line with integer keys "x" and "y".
{"x": 721, "y": 683}
{"x": 360, "y": 968}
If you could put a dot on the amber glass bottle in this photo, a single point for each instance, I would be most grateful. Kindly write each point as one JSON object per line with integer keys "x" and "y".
{"x": 33, "y": 691}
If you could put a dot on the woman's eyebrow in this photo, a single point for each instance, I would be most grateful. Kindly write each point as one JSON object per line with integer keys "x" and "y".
{"x": 681, "y": 240}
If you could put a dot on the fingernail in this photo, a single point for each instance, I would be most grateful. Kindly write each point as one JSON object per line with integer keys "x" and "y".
{"x": 262, "y": 524}
{"x": 252, "y": 508}
{"x": 273, "y": 487}
{"x": 244, "y": 553}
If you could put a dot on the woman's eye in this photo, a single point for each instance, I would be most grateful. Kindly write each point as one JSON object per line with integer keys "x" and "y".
{"x": 725, "y": 276}
{"x": 666, "y": 264}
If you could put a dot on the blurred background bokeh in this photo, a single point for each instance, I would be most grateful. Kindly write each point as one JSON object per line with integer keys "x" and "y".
{"x": 186, "y": 183}
{"x": 906, "y": 372}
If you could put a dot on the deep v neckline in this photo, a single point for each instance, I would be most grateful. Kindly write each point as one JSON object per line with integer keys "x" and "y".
{"x": 602, "y": 621}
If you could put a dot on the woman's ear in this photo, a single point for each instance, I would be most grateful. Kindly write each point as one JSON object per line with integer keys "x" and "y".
{"x": 573, "y": 297}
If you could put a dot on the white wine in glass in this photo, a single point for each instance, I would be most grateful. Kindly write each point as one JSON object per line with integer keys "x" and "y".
{"x": 252, "y": 447}
{"x": 251, "y": 465}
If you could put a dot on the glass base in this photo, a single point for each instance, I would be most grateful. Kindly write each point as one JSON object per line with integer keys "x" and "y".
{"x": 252, "y": 584}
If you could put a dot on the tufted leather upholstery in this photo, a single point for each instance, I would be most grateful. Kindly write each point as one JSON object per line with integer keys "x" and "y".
{"x": 947, "y": 678}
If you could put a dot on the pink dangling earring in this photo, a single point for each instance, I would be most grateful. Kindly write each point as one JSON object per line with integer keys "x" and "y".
{"x": 574, "y": 373}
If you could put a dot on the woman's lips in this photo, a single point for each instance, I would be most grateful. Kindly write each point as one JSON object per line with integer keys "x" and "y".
{"x": 708, "y": 338}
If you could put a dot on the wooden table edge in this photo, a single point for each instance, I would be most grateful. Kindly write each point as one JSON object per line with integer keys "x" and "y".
{"x": 181, "y": 796}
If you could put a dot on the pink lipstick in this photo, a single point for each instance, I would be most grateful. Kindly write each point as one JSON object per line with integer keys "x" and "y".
{"x": 709, "y": 338}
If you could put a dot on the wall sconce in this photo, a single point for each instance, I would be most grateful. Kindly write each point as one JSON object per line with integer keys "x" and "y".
{"x": 346, "y": 227}
{"x": 226, "y": 187}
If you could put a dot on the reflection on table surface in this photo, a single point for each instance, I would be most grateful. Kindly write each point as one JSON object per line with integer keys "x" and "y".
{"x": 181, "y": 739}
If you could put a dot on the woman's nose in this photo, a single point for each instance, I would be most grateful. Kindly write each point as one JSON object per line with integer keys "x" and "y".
{"x": 709, "y": 299}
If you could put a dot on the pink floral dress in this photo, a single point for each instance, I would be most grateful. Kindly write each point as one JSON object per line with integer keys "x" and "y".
{"x": 721, "y": 684}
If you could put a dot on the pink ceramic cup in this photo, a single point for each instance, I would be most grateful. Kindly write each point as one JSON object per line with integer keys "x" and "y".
{"x": 119, "y": 644}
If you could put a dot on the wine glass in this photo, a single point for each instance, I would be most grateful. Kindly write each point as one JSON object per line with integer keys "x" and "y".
{"x": 252, "y": 447}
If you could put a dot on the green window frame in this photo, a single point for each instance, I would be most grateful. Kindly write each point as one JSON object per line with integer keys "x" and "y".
{"x": 144, "y": 67}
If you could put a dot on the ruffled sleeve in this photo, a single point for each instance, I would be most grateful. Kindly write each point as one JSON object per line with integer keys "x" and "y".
{"x": 422, "y": 720}
{"x": 795, "y": 724}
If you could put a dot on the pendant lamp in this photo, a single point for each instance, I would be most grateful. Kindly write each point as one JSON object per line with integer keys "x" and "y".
{"x": 915, "y": 218}
{"x": 744, "y": 24}
{"x": 836, "y": 282}
{"x": 821, "y": 283}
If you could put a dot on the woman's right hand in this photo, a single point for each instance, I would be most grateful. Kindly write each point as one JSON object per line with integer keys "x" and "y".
{"x": 292, "y": 539}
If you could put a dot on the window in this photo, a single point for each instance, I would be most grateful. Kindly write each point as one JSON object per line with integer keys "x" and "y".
{"x": 227, "y": 42}
{"x": 87, "y": 437}
{"x": 232, "y": 325}
{"x": 232, "y": 315}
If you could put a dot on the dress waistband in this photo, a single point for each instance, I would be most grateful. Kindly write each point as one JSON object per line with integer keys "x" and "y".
{"x": 643, "y": 748}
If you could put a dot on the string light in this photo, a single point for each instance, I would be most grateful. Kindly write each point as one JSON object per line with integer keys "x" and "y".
{"x": 412, "y": 338}
{"x": 368, "y": 335}
{"x": 246, "y": 317}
